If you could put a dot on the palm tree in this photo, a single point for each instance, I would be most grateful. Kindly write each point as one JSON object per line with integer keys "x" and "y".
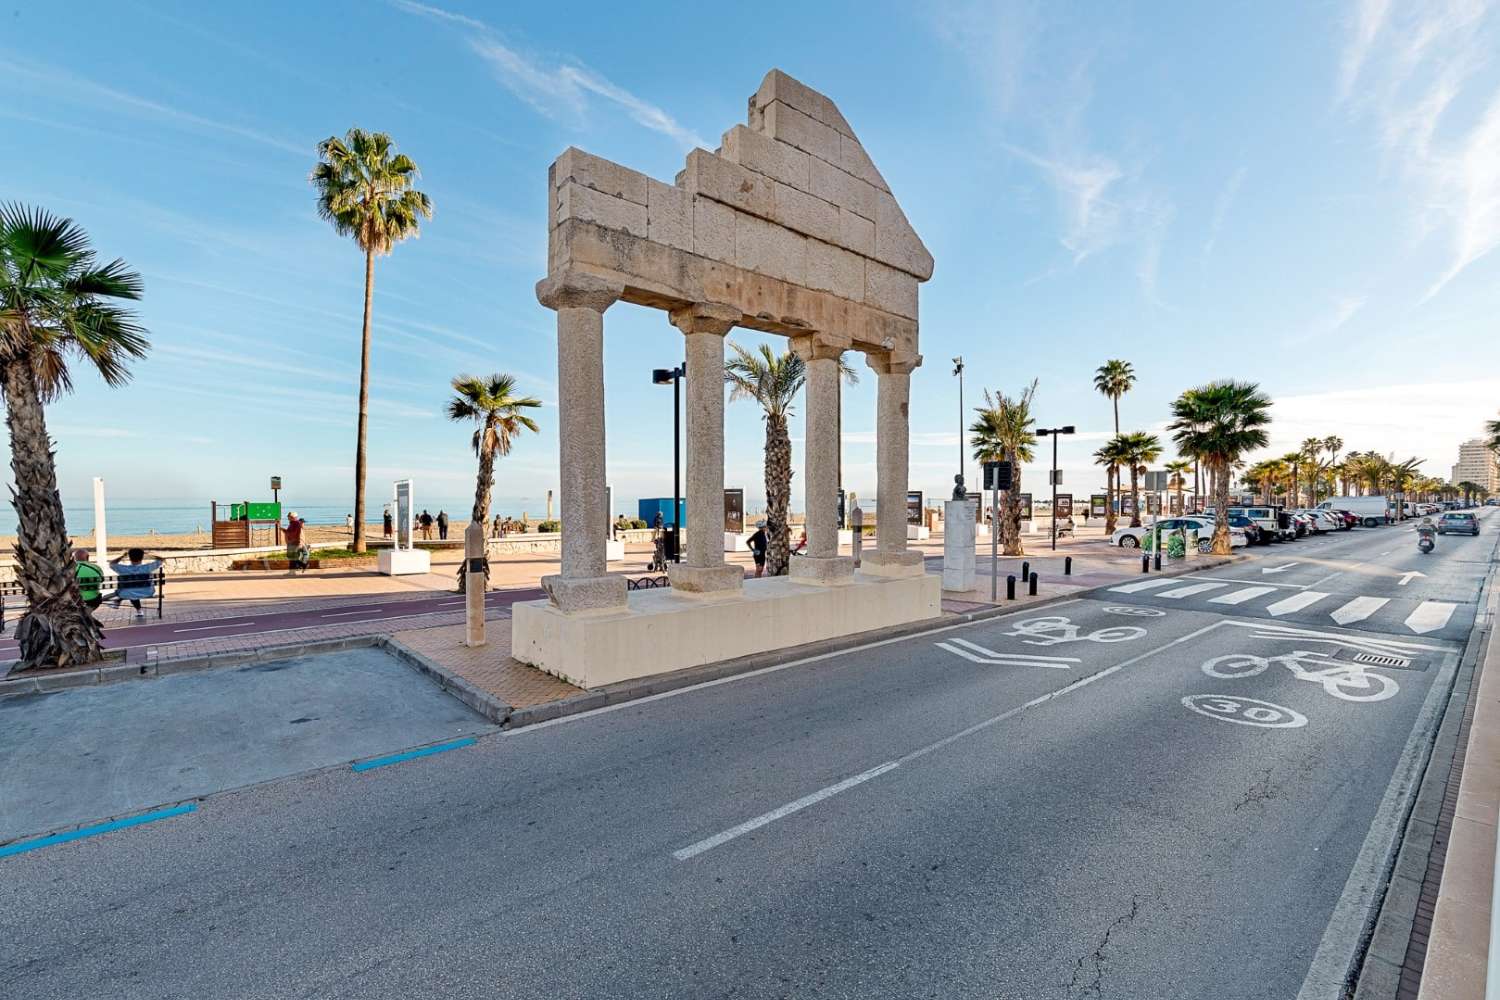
{"x": 1492, "y": 434}
{"x": 1293, "y": 460}
{"x": 1470, "y": 489}
{"x": 1003, "y": 433}
{"x": 365, "y": 190}
{"x": 773, "y": 380}
{"x": 1179, "y": 470}
{"x": 1109, "y": 456}
{"x": 57, "y": 303}
{"x": 1140, "y": 450}
{"x": 1333, "y": 444}
{"x": 1219, "y": 422}
{"x": 1311, "y": 449}
{"x": 1114, "y": 379}
{"x": 491, "y": 403}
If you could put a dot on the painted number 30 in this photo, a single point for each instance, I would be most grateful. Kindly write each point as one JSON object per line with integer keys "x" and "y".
{"x": 1245, "y": 711}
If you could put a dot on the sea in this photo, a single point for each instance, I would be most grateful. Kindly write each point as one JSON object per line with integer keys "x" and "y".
{"x": 181, "y": 516}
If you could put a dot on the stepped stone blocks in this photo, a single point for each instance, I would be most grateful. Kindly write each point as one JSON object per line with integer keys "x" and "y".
{"x": 787, "y": 228}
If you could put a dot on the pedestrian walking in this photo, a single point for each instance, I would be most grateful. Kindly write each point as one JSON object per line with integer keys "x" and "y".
{"x": 349, "y": 522}
{"x": 389, "y": 523}
{"x": 758, "y": 543}
{"x": 426, "y": 522}
{"x": 296, "y": 555}
{"x": 442, "y": 523}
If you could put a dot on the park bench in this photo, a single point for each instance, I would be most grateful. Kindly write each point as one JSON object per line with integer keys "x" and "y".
{"x": 13, "y": 595}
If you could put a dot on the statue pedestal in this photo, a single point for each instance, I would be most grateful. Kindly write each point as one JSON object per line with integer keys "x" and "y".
{"x": 405, "y": 562}
{"x": 958, "y": 545}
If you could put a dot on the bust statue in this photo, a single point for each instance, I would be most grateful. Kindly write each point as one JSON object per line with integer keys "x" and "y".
{"x": 959, "y": 493}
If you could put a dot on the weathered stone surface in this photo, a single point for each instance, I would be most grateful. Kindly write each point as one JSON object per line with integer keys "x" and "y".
{"x": 713, "y": 229}
{"x": 717, "y": 580}
{"x": 832, "y": 183}
{"x": 854, "y": 160}
{"x": 777, "y": 86}
{"x": 896, "y": 242}
{"x": 727, "y": 182}
{"x": 857, "y": 233}
{"x": 599, "y": 175}
{"x": 574, "y": 201}
{"x": 787, "y": 124}
{"x": 805, "y": 213}
{"x": 769, "y": 249}
{"x": 669, "y": 215}
{"x": 838, "y": 271}
{"x": 889, "y": 289}
{"x": 764, "y": 155}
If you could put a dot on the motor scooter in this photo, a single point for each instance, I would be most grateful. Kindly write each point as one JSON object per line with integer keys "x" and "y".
{"x": 1426, "y": 540}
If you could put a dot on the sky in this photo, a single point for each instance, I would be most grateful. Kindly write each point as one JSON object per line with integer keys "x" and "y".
{"x": 1306, "y": 196}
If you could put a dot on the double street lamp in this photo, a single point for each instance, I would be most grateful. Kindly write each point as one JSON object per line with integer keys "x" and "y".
{"x": 1054, "y": 433}
{"x": 958, "y": 484}
{"x": 674, "y": 376}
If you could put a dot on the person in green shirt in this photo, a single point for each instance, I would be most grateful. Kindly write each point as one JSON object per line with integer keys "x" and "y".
{"x": 90, "y": 578}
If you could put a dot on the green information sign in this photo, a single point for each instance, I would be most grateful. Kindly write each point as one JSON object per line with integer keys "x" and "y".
{"x": 256, "y": 511}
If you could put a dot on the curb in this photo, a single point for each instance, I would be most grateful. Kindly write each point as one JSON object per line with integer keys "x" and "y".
{"x": 644, "y": 687}
{"x": 475, "y": 697}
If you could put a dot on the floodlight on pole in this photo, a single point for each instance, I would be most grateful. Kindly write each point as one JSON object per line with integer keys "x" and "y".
{"x": 1055, "y": 433}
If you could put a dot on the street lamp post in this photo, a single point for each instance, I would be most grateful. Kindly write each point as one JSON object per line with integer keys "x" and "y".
{"x": 661, "y": 376}
{"x": 1054, "y": 432}
{"x": 958, "y": 369}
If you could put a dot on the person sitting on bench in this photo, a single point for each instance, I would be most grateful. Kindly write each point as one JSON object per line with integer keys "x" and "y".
{"x": 137, "y": 579}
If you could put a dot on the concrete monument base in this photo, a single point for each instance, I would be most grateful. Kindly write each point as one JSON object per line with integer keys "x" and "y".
{"x": 736, "y": 541}
{"x": 958, "y": 545}
{"x": 614, "y": 550}
{"x": 877, "y": 563}
{"x": 594, "y": 593}
{"x": 660, "y": 631}
{"x": 706, "y": 579}
{"x": 917, "y": 533}
{"x": 822, "y": 569}
{"x": 405, "y": 562}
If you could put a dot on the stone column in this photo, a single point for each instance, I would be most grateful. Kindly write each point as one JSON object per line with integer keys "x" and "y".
{"x": 703, "y": 326}
{"x": 892, "y": 448}
{"x": 580, "y": 301}
{"x": 820, "y": 484}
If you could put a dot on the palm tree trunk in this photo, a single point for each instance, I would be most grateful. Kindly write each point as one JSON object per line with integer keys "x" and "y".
{"x": 483, "y": 484}
{"x": 778, "y": 494}
{"x": 358, "y": 545}
{"x": 1135, "y": 496}
{"x": 57, "y": 629}
{"x": 1109, "y": 508}
{"x": 1010, "y": 514}
{"x": 1220, "y": 479}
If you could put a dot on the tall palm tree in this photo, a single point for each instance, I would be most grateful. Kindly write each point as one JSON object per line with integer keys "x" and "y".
{"x": 773, "y": 380}
{"x": 1219, "y": 422}
{"x": 1293, "y": 460}
{"x": 1140, "y": 450}
{"x": 1003, "y": 432}
{"x": 1470, "y": 489}
{"x": 1333, "y": 444}
{"x": 365, "y": 190}
{"x": 1492, "y": 434}
{"x": 1312, "y": 452}
{"x": 492, "y": 403}
{"x": 1114, "y": 379}
{"x": 1179, "y": 470}
{"x": 1110, "y": 456}
{"x": 58, "y": 303}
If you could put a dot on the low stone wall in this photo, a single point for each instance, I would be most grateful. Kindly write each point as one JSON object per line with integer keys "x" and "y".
{"x": 552, "y": 541}
{"x": 178, "y": 563}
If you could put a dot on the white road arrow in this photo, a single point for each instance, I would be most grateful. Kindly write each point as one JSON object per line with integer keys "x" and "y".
{"x": 1409, "y": 577}
{"x": 1279, "y": 569}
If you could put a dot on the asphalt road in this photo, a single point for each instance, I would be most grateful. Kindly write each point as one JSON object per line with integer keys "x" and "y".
{"x": 1156, "y": 797}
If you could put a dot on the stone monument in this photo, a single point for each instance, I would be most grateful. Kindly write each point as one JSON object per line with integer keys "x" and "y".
{"x": 788, "y": 228}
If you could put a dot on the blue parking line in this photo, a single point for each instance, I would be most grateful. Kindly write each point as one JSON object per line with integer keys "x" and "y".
{"x": 397, "y": 758}
{"x": 90, "y": 831}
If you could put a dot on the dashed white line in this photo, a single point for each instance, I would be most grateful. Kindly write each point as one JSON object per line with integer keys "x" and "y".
{"x": 1241, "y": 596}
{"x": 1359, "y": 609}
{"x": 1295, "y": 603}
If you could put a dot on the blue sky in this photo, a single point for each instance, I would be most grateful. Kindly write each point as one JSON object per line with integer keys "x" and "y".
{"x": 1303, "y": 195}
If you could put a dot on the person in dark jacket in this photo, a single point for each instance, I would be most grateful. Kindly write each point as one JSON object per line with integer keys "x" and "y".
{"x": 758, "y": 543}
{"x": 442, "y": 523}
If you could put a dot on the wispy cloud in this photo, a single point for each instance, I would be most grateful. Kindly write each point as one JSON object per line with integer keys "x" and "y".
{"x": 1222, "y": 205}
{"x": 56, "y": 83}
{"x": 1091, "y": 219}
{"x": 564, "y": 90}
{"x": 1423, "y": 73}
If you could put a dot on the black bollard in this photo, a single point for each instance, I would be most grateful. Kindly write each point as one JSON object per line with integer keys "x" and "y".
{"x": 1158, "y": 559}
{"x": 1025, "y": 568}
{"x": 1067, "y": 566}
{"x": 1032, "y": 589}
{"x": 1010, "y": 588}
{"x": 1145, "y": 563}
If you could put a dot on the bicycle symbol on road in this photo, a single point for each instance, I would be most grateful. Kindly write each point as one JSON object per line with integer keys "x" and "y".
{"x": 1134, "y": 611}
{"x": 1055, "y": 629}
{"x": 1346, "y": 681}
{"x": 1245, "y": 711}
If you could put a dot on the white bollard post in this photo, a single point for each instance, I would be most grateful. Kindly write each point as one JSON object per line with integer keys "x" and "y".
{"x": 101, "y": 537}
{"x": 474, "y": 560}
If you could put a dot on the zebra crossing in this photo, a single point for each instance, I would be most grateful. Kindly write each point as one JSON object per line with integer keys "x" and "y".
{"x": 1419, "y": 617}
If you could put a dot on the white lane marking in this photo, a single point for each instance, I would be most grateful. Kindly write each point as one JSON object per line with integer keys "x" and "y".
{"x": 1132, "y": 588}
{"x": 735, "y": 831}
{"x": 1279, "y": 569}
{"x": 1262, "y": 583}
{"x": 982, "y": 654}
{"x": 1430, "y": 616}
{"x": 775, "y": 668}
{"x": 1241, "y": 596}
{"x": 1409, "y": 577}
{"x": 1295, "y": 603}
{"x": 709, "y": 843}
{"x": 1262, "y": 630}
{"x": 1359, "y": 609}
{"x": 1196, "y": 588}
{"x": 341, "y": 614}
{"x": 205, "y": 628}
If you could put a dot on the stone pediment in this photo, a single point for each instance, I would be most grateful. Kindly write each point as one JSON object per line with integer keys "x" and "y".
{"x": 789, "y": 221}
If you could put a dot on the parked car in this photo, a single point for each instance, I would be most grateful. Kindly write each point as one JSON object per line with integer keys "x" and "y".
{"x": 1316, "y": 523}
{"x": 1274, "y": 523}
{"x": 1371, "y": 511}
{"x": 1454, "y": 523}
{"x": 1132, "y": 538}
{"x": 1332, "y": 520}
{"x": 1350, "y": 519}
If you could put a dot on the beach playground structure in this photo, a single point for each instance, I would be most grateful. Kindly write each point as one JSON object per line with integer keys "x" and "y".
{"x": 245, "y": 524}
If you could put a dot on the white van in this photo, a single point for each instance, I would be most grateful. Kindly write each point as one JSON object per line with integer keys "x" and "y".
{"x": 1371, "y": 511}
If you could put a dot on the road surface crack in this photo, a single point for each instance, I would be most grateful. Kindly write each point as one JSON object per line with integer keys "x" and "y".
{"x": 1088, "y": 976}
{"x": 1259, "y": 792}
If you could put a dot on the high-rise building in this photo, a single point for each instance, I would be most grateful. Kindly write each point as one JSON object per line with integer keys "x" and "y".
{"x": 1477, "y": 464}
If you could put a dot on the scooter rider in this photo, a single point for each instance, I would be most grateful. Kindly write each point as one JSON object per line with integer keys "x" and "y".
{"x": 1426, "y": 534}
